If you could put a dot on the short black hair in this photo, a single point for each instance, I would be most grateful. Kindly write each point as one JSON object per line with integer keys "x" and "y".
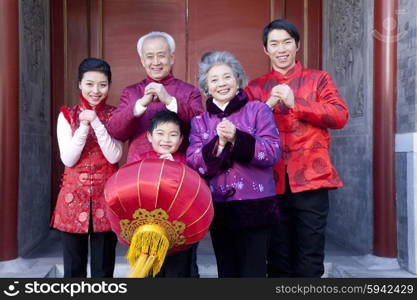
{"x": 94, "y": 64}
{"x": 165, "y": 116}
{"x": 282, "y": 24}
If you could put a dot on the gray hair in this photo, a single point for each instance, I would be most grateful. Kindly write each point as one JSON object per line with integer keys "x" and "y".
{"x": 156, "y": 34}
{"x": 212, "y": 59}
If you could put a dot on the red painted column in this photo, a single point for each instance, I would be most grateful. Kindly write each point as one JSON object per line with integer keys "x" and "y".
{"x": 9, "y": 127}
{"x": 385, "y": 86}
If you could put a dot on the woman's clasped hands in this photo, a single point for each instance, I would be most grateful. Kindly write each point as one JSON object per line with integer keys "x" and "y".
{"x": 226, "y": 131}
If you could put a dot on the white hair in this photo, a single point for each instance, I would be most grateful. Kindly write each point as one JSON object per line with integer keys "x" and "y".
{"x": 156, "y": 34}
{"x": 211, "y": 59}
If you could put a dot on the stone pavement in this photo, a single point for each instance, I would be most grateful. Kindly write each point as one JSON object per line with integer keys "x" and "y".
{"x": 46, "y": 261}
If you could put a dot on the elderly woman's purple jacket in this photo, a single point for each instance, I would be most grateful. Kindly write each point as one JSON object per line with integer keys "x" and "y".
{"x": 243, "y": 171}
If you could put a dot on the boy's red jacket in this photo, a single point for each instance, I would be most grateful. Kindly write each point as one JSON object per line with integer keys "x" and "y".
{"x": 304, "y": 130}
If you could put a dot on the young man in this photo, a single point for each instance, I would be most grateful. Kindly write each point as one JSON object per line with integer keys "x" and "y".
{"x": 306, "y": 104}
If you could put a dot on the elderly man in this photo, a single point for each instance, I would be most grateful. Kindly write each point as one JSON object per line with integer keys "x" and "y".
{"x": 306, "y": 104}
{"x": 158, "y": 91}
{"x": 141, "y": 101}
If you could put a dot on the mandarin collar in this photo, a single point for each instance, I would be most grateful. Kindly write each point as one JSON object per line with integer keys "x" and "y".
{"x": 167, "y": 80}
{"x": 291, "y": 73}
{"x": 86, "y": 105}
{"x": 235, "y": 104}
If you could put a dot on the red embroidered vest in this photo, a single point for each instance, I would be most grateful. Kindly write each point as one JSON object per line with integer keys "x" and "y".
{"x": 81, "y": 196}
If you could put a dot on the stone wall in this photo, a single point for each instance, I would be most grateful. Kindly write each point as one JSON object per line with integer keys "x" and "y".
{"x": 406, "y": 137}
{"x": 407, "y": 64}
{"x": 35, "y": 129}
{"x": 347, "y": 56}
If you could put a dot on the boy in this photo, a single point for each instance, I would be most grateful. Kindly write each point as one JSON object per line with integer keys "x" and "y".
{"x": 165, "y": 134}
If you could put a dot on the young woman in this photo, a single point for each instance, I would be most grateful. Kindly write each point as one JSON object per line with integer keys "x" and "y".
{"x": 90, "y": 156}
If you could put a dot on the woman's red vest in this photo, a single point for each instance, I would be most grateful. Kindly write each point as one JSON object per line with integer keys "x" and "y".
{"x": 81, "y": 196}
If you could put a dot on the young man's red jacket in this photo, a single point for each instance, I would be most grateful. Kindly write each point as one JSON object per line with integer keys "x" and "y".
{"x": 304, "y": 130}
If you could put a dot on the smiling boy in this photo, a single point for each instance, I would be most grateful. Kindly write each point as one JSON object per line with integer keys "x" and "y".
{"x": 165, "y": 134}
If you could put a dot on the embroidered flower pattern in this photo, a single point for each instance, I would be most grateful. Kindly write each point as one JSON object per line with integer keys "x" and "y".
{"x": 251, "y": 130}
{"x": 222, "y": 189}
{"x": 205, "y": 135}
{"x": 100, "y": 213}
{"x": 69, "y": 197}
{"x": 82, "y": 217}
{"x": 258, "y": 187}
{"x": 201, "y": 170}
{"x": 239, "y": 185}
{"x": 261, "y": 155}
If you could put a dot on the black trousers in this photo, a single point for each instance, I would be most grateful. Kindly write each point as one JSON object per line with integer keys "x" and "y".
{"x": 241, "y": 252}
{"x": 297, "y": 241}
{"x": 181, "y": 264}
{"x": 103, "y": 254}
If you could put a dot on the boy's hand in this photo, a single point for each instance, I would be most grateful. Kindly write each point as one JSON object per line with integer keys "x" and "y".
{"x": 167, "y": 156}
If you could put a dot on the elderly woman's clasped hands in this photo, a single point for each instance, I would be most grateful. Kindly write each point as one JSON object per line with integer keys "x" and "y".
{"x": 226, "y": 131}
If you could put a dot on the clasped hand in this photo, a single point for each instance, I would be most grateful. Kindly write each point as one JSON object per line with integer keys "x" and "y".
{"x": 167, "y": 156}
{"x": 281, "y": 93}
{"x": 155, "y": 91}
{"x": 87, "y": 116}
{"x": 226, "y": 131}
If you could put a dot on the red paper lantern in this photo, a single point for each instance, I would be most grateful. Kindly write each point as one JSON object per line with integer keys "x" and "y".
{"x": 155, "y": 206}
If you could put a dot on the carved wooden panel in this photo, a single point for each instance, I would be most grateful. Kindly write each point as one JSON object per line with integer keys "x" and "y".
{"x": 346, "y": 40}
{"x": 35, "y": 92}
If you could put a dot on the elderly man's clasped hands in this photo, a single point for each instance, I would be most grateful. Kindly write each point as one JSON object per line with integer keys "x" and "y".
{"x": 154, "y": 91}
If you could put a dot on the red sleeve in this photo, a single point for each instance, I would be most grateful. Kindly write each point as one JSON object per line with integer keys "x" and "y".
{"x": 248, "y": 91}
{"x": 255, "y": 91}
{"x": 329, "y": 110}
{"x": 192, "y": 107}
{"x": 143, "y": 155}
{"x": 180, "y": 157}
{"x": 122, "y": 121}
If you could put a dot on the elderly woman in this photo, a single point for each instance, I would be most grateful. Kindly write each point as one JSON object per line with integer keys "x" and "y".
{"x": 234, "y": 145}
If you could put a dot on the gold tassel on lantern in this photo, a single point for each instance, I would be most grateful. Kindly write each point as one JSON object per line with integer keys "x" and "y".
{"x": 147, "y": 250}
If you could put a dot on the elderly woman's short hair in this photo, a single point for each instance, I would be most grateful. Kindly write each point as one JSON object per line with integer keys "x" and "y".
{"x": 211, "y": 59}
{"x": 156, "y": 34}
